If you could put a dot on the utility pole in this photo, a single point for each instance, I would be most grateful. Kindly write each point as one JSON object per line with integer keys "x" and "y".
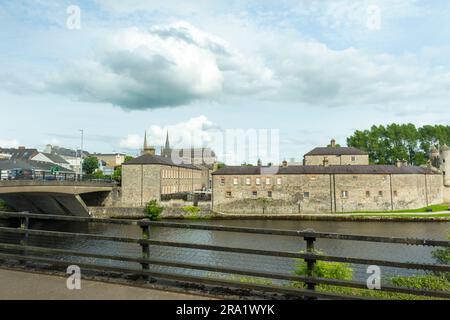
{"x": 81, "y": 155}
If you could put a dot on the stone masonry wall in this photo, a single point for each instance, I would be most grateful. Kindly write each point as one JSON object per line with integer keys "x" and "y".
{"x": 337, "y": 160}
{"x": 325, "y": 193}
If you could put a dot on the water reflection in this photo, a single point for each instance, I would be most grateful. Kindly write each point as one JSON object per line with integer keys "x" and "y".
{"x": 395, "y": 252}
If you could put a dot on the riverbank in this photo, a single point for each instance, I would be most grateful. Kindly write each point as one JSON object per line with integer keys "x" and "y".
{"x": 204, "y": 213}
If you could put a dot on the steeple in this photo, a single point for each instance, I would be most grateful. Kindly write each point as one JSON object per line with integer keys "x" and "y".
{"x": 147, "y": 149}
{"x": 167, "y": 146}
{"x": 145, "y": 140}
{"x": 166, "y": 152}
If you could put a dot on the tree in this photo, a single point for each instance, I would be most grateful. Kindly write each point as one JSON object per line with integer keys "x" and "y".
{"x": 117, "y": 174}
{"x": 399, "y": 141}
{"x": 90, "y": 164}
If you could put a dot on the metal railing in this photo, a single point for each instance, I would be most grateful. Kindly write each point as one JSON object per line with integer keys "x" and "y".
{"x": 25, "y": 252}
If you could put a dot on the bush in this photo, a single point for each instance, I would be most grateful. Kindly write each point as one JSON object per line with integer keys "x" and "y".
{"x": 429, "y": 282}
{"x": 324, "y": 269}
{"x": 191, "y": 209}
{"x": 153, "y": 210}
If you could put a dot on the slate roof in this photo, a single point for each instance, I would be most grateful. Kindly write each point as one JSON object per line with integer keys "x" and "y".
{"x": 155, "y": 159}
{"x": 55, "y": 158}
{"x": 335, "y": 151}
{"x": 345, "y": 169}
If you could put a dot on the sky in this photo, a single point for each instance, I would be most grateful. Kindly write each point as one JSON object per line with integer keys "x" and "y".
{"x": 294, "y": 73}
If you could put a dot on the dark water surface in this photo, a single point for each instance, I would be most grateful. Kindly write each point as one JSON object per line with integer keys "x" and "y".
{"x": 394, "y": 252}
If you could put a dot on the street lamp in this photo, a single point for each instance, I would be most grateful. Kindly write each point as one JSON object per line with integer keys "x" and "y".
{"x": 81, "y": 155}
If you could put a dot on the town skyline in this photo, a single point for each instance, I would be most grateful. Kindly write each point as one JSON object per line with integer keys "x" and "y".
{"x": 347, "y": 69}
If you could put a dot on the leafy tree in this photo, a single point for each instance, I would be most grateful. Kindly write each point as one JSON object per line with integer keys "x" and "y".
{"x": 153, "y": 210}
{"x": 128, "y": 158}
{"x": 399, "y": 141}
{"x": 90, "y": 164}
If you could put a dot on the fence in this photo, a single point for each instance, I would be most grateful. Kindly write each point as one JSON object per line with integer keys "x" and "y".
{"x": 24, "y": 252}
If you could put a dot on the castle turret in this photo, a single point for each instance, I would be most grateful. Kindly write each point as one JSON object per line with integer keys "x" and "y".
{"x": 445, "y": 164}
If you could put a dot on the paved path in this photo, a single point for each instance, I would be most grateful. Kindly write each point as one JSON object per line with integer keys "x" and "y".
{"x": 33, "y": 286}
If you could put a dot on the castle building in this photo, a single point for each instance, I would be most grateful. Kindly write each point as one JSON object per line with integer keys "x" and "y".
{"x": 150, "y": 176}
{"x": 334, "y": 155}
{"x": 326, "y": 187}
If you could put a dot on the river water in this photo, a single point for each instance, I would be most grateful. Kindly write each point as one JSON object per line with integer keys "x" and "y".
{"x": 394, "y": 252}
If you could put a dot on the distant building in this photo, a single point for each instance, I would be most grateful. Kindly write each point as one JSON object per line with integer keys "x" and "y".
{"x": 20, "y": 153}
{"x": 111, "y": 159}
{"x": 150, "y": 176}
{"x": 69, "y": 155}
{"x": 334, "y": 155}
{"x": 198, "y": 156}
{"x": 52, "y": 158}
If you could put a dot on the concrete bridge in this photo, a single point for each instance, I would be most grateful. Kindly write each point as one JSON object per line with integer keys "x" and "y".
{"x": 55, "y": 197}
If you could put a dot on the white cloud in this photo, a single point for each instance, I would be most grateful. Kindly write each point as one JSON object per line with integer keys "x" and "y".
{"x": 167, "y": 65}
{"x": 9, "y": 143}
{"x": 196, "y": 131}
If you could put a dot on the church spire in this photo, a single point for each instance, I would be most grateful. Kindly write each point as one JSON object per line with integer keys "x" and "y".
{"x": 145, "y": 140}
{"x": 167, "y": 146}
{"x": 147, "y": 149}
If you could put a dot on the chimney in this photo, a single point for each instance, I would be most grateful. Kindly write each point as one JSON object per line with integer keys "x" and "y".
{"x": 404, "y": 163}
{"x": 399, "y": 163}
{"x": 333, "y": 143}
{"x": 325, "y": 162}
{"x": 284, "y": 163}
{"x": 21, "y": 148}
{"x": 259, "y": 163}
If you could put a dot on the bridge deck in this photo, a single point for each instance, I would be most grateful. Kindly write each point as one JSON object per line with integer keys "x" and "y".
{"x": 32, "y": 286}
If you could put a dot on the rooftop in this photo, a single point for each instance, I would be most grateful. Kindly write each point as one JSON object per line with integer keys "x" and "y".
{"x": 349, "y": 169}
{"x": 335, "y": 151}
{"x": 155, "y": 159}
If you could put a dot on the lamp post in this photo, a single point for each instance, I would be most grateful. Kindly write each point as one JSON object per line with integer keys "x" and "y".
{"x": 81, "y": 155}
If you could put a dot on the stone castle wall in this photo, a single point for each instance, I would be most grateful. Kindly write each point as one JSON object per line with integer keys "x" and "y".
{"x": 306, "y": 193}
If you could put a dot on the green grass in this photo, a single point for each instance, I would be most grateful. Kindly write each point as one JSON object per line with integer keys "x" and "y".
{"x": 432, "y": 208}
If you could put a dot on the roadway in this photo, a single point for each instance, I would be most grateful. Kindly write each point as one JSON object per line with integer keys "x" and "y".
{"x": 19, "y": 285}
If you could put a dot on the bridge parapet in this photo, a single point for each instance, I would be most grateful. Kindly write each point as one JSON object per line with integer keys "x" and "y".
{"x": 68, "y": 183}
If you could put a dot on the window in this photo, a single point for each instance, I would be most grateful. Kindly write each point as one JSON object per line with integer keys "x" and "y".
{"x": 353, "y": 158}
{"x": 367, "y": 193}
{"x": 395, "y": 193}
{"x": 248, "y": 181}
{"x": 222, "y": 180}
{"x": 228, "y": 194}
{"x": 380, "y": 193}
{"x": 268, "y": 180}
{"x": 269, "y": 194}
{"x": 235, "y": 181}
{"x": 344, "y": 194}
{"x": 278, "y": 181}
{"x": 258, "y": 181}
{"x": 306, "y": 194}
{"x": 254, "y": 193}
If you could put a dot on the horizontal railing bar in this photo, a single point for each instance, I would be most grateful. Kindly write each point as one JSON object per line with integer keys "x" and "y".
{"x": 262, "y": 274}
{"x": 186, "y": 278}
{"x": 284, "y": 254}
{"x": 280, "y": 232}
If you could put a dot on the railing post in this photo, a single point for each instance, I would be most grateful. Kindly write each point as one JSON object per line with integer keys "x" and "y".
{"x": 310, "y": 263}
{"x": 24, "y": 225}
{"x": 145, "y": 246}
